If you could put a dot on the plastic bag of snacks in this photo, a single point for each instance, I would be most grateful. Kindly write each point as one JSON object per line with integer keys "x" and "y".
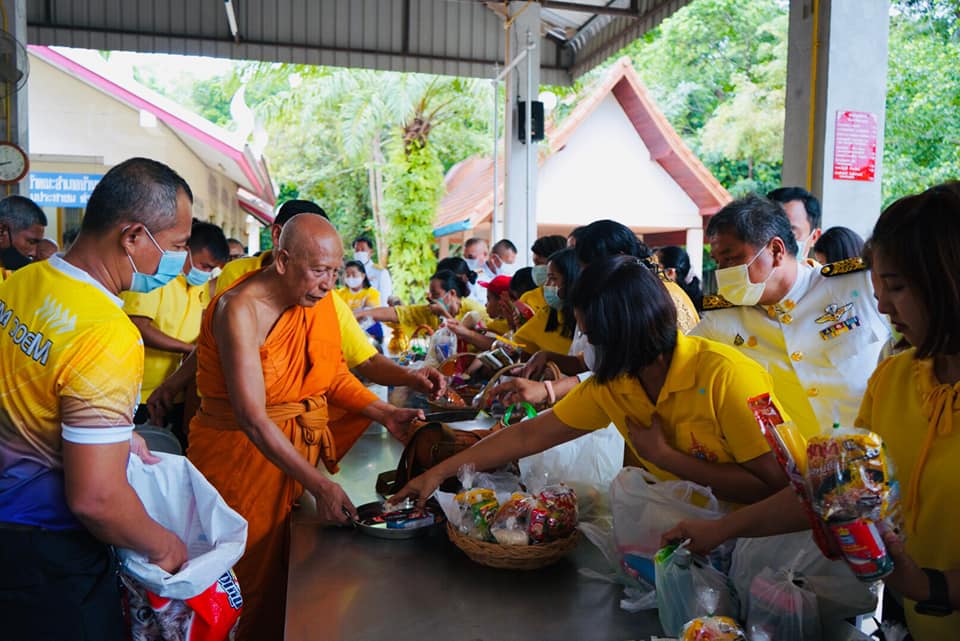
{"x": 477, "y": 507}
{"x": 688, "y": 586}
{"x": 855, "y": 492}
{"x": 789, "y": 448}
{"x": 782, "y": 608}
{"x": 556, "y": 516}
{"x": 211, "y": 615}
{"x": 511, "y": 525}
{"x": 712, "y": 629}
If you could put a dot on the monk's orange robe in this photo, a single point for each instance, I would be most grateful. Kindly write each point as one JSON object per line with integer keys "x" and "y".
{"x": 303, "y": 368}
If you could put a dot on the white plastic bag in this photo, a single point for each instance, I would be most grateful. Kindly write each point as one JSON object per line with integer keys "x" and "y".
{"x": 644, "y": 508}
{"x": 781, "y": 608}
{"x": 443, "y": 345}
{"x": 178, "y": 497}
{"x": 840, "y": 595}
{"x": 588, "y": 464}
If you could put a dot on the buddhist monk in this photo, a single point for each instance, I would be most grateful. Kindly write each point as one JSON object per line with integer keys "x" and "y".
{"x": 269, "y": 361}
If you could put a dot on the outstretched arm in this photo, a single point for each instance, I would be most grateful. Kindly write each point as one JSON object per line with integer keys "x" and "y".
{"x": 381, "y": 314}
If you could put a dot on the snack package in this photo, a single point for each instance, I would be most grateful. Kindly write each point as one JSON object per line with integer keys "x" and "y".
{"x": 787, "y": 445}
{"x": 712, "y": 629}
{"x": 782, "y": 608}
{"x": 556, "y": 517}
{"x": 855, "y": 492}
{"x": 477, "y": 510}
{"x": 851, "y": 476}
{"x": 512, "y": 523}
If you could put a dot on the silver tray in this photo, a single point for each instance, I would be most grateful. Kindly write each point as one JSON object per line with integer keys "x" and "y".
{"x": 367, "y": 524}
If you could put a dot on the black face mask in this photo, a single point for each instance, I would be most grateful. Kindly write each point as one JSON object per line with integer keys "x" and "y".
{"x": 12, "y": 259}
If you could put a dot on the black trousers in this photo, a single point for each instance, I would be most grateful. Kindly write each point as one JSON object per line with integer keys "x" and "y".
{"x": 58, "y": 586}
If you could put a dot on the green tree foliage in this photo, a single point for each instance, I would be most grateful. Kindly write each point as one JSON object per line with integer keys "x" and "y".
{"x": 717, "y": 69}
{"x": 413, "y": 188}
{"x": 922, "y": 132}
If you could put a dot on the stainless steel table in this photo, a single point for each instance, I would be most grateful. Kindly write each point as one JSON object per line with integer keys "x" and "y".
{"x": 345, "y": 586}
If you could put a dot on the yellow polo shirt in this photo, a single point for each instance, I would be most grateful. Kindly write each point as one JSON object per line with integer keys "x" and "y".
{"x": 354, "y": 341}
{"x": 533, "y": 334}
{"x": 176, "y": 309}
{"x": 65, "y": 344}
{"x": 411, "y": 316}
{"x": 703, "y": 404}
{"x": 534, "y": 299}
{"x": 365, "y": 298}
{"x": 906, "y": 405}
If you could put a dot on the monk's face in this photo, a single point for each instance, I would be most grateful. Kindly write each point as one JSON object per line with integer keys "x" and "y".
{"x": 312, "y": 268}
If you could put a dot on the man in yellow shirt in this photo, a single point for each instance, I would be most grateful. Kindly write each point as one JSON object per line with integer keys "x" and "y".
{"x": 359, "y": 353}
{"x": 70, "y": 368}
{"x": 21, "y": 229}
{"x": 169, "y": 317}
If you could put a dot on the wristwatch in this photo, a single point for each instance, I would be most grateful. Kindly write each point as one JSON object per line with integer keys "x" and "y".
{"x": 938, "y": 605}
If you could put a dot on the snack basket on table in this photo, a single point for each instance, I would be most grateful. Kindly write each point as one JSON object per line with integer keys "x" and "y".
{"x": 513, "y": 557}
{"x": 513, "y": 529}
{"x": 525, "y": 533}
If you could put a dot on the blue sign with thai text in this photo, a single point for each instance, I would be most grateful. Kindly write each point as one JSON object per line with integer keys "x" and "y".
{"x": 52, "y": 189}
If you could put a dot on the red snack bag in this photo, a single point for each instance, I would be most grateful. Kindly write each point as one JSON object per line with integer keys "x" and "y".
{"x": 782, "y": 439}
{"x": 209, "y": 616}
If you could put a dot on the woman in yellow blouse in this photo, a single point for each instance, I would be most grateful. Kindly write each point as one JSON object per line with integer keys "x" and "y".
{"x": 359, "y": 295}
{"x": 357, "y": 292}
{"x": 551, "y": 328}
{"x": 679, "y": 401}
{"x": 913, "y": 403}
{"x": 447, "y": 298}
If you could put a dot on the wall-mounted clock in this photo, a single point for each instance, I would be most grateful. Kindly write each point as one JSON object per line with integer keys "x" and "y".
{"x": 14, "y": 163}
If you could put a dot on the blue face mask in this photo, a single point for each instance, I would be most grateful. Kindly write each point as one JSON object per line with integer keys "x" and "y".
{"x": 196, "y": 277}
{"x": 551, "y": 294}
{"x": 539, "y": 275}
{"x": 171, "y": 265}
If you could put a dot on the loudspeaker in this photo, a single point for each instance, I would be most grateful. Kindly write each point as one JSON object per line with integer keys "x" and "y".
{"x": 536, "y": 121}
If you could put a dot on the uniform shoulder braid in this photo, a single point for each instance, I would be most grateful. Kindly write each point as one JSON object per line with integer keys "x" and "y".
{"x": 716, "y": 301}
{"x": 846, "y": 266}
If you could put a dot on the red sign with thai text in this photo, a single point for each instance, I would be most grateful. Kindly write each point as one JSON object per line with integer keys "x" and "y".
{"x": 855, "y": 146}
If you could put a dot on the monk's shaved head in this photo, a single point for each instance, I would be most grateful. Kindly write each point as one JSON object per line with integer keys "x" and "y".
{"x": 304, "y": 231}
{"x": 309, "y": 257}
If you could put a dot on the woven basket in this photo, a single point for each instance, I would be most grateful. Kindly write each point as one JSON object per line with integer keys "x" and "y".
{"x": 513, "y": 557}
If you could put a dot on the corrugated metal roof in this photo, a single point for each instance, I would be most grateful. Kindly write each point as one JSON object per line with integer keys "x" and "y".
{"x": 453, "y": 37}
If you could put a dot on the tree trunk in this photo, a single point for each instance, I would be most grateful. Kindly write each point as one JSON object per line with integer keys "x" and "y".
{"x": 375, "y": 176}
{"x": 750, "y": 168}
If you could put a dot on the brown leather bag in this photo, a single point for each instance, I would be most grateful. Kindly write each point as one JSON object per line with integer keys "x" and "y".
{"x": 429, "y": 445}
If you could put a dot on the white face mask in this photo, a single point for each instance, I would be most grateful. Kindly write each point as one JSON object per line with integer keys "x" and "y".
{"x": 354, "y": 282}
{"x": 473, "y": 264}
{"x": 361, "y": 257}
{"x": 507, "y": 269}
{"x": 803, "y": 248}
{"x": 733, "y": 283}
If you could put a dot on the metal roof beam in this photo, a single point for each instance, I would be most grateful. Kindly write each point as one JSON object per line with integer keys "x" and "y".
{"x": 624, "y": 12}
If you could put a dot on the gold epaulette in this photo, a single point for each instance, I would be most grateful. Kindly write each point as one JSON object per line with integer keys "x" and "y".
{"x": 716, "y": 302}
{"x": 846, "y": 266}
